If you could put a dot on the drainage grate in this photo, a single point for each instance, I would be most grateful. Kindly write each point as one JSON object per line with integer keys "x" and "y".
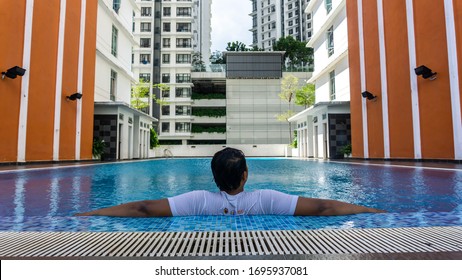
{"x": 228, "y": 243}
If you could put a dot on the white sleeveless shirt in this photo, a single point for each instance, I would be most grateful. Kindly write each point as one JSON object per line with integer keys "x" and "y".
{"x": 259, "y": 202}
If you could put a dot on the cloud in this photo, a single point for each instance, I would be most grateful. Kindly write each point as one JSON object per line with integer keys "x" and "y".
{"x": 230, "y": 22}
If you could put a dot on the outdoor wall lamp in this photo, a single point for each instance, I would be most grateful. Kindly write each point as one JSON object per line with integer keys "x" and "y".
{"x": 369, "y": 95}
{"x": 74, "y": 96}
{"x": 426, "y": 72}
{"x": 13, "y": 72}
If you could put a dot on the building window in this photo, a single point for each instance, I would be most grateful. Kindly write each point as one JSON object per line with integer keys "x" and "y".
{"x": 183, "y": 43}
{"x": 145, "y": 27}
{"x": 167, "y": 27}
{"x": 113, "y": 86}
{"x": 145, "y": 42}
{"x": 183, "y": 58}
{"x": 183, "y": 78}
{"x": 145, "y": 58}
{"x": 183, "y": 27}
{"x": 182, "y": 127}
{"x": 146, "y": 11}
{"x": 183, "y": 12}
{"x": 291, "y": 22}
{"x": 167, "y": 11}
{"x": 328, "y": 4}
{"x": 145, "y": 77}
{"x": 166, "y": 58}
{"x": 183, "y": 110}
{"x": 166, "y": 93}
{"x": 183, "y": 92}
{"x": 330, "y": 41}
{"x": 166, "y": 42}
{"x": 165, "y": 127}
{"x": 166, "y": 110}
{"x": 116, "y": 5}
{"x": 165, "y": 78}
{"x": 332, "y": 85}
{"x": 115, "y": 33}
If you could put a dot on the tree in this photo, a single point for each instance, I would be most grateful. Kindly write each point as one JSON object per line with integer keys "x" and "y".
{"x": 217, "y": 58}
{"x": 289, "y": 87}
{"x": 305, "y": 96}
{"x": 154, "y": 140}
{"x": 162, "y": 88}
{"x": 197, "y": 62}
{"x": 296, "y": 52}
{"x": 236, "y": 47}
{"x": 140, "y": 95}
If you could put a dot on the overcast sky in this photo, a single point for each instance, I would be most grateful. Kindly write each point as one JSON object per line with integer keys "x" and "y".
{"x": 230, "y": 22}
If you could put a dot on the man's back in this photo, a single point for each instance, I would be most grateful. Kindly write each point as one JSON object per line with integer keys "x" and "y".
{"x": 259, "y": 202}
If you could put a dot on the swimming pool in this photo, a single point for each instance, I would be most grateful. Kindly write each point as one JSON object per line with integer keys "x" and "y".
{"x": 46, "y": 199}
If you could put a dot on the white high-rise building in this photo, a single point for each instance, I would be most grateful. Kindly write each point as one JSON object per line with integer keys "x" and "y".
{"x": 274, "y": 19}
{"x": 325, "y": 127}
{"x": 169, "y": 34}
{"x": 124, "y": 129}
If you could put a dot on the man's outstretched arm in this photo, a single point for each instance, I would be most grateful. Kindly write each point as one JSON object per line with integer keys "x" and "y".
{"x": 324, "y": 207}
{"x": 145, "y": 208}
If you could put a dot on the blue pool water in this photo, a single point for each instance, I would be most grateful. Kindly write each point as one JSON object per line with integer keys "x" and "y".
{"x": 45, "y": 200}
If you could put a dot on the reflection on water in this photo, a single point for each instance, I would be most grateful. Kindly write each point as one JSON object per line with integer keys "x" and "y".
{"x": 63, "y": 192}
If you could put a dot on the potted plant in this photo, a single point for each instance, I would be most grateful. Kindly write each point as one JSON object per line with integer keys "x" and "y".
{"x": 98, "y": 148}
{"x": 346, "y": 150}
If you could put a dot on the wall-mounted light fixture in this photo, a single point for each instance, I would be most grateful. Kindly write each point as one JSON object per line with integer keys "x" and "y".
{"x": 74, "y": 96}
{"x": 369, "y": 96}
{"x": 426, "y": 72}
{"x": 13, "y": 72}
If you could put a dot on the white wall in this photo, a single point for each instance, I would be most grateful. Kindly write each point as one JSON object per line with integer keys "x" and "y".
{"x": 251, "y": 109}
{"x": 321, "y": 58}
{"x": 210, "y": 150}
{"x": 342, "y": 83}
{"x": 105, "y": 61}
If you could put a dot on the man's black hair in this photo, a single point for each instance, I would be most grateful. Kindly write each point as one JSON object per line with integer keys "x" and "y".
{"x": 228, "y": 166}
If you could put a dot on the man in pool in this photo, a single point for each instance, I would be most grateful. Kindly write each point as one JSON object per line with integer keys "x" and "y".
{"x": 230, "y": 173}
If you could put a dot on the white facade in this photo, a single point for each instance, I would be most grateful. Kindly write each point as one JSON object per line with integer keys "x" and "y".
{"x": 114, "y": 44}
{"x": 124, "y": 129}
{"x": 330, "y": 59}
{"x": 326, "y": 125}
{"x": 274, "y": 19}
{"x": 202, "y": 29}
{"x": 251, "y": 109}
